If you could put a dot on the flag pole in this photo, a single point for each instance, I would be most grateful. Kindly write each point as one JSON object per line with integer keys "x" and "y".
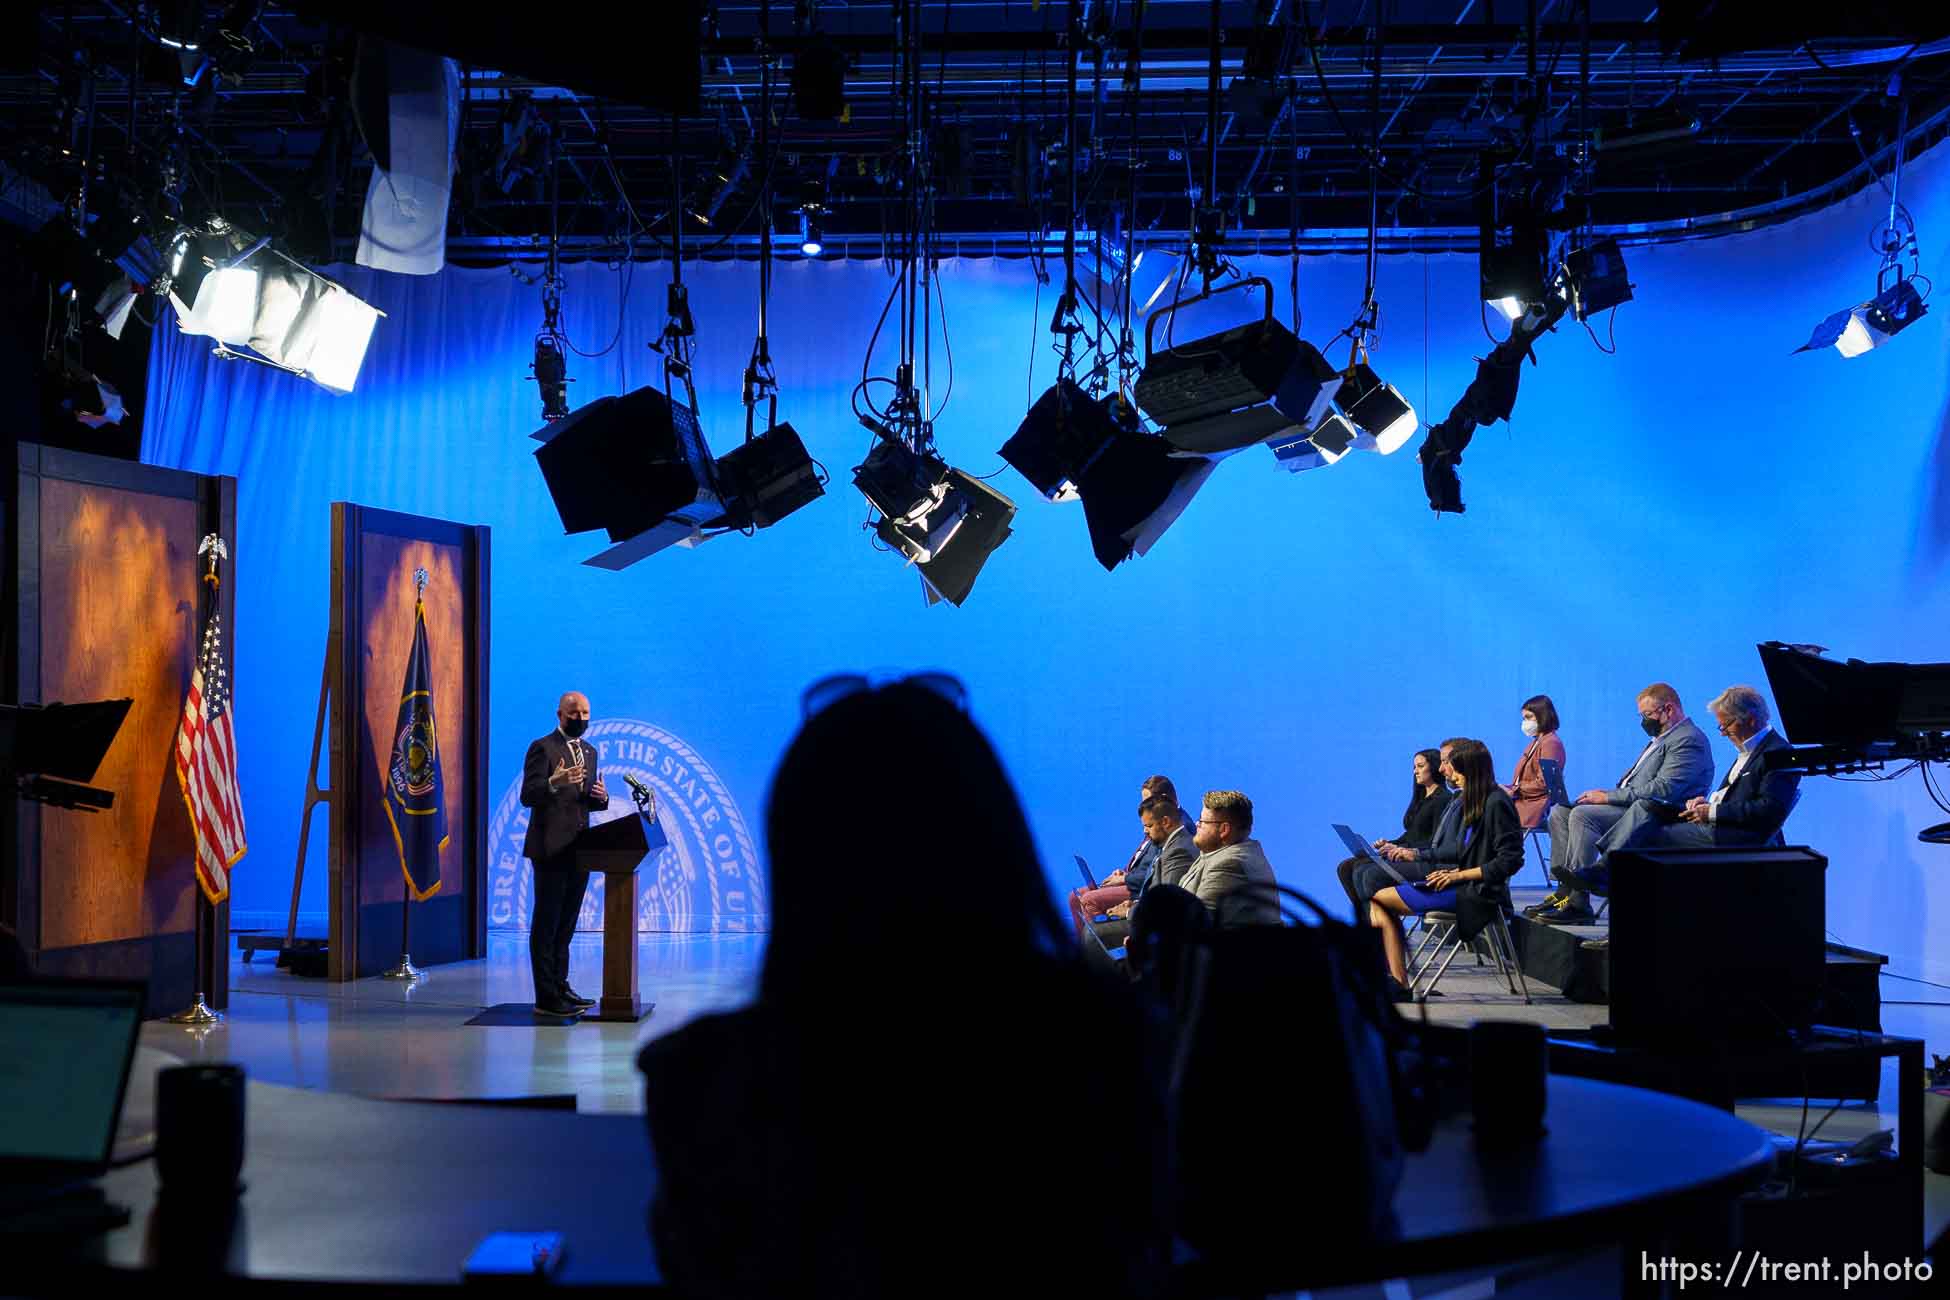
{"x": 406, "y": 970}
{"x": 199, "y": 1011}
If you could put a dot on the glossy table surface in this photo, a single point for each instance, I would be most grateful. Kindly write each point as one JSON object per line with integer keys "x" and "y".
{"x": 354, "y": 1190}
{"x": 344, "y": 1189}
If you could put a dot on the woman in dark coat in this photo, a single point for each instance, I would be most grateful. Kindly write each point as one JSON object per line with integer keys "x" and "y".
{"x": 1425, "y": 804}
{"x": 1492, "y": 853}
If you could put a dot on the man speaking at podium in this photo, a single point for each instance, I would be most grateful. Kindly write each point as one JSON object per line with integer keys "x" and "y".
{"x": 559, "y": 785}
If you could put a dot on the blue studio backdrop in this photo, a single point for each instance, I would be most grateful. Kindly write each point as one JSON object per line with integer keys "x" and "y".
{"x": 1648, "y": 515}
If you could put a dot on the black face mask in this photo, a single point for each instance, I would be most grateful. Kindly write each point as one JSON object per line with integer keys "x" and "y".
{"x": 574, "y": 727}
{"x": 1652, "y": 726}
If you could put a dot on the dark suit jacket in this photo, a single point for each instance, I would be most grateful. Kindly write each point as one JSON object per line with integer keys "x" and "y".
{"x": 1169, "y": 863}
{"x": 1495, "y": 844}
{"x": 1445, "y": 846}
{"x": 560, "y": 815}
{"x": 1759, "y": 801}
{"x": 1175, "y": 857}
{"x": 1138, "y": 869}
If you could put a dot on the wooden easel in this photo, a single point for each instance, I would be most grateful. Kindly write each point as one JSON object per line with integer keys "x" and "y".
{"x": 304, "y": 956}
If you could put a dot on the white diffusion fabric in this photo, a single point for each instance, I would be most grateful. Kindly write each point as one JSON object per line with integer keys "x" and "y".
{"x": 405, "y": 224}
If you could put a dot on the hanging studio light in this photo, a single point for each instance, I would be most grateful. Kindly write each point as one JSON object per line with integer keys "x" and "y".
{"x": 1332, "y": 439}
{"x": 1869, "y": 325}
{"x": 1133, "y": 485}
{"x": 1511, "y": 277}
{"x": 1245, "y": 385}
{"x": 225, "y": 307}
{"x": 237, "y": 291}
{"x": 1511, "y": 254}
{"x": 1594, "y": 276}
{"x": 1371, "y": 416}
{"x": 1380, "y": 416}
{"x": 635, "y": 466}
{"x": 920, "y": 511}
{"x": 945, "y": 522}
{"x": 767, "y": 478}
{"x": 985, "y": 524}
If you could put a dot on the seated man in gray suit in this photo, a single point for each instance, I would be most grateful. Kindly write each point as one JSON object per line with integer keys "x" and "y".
{"x": 1231, "y": 876}
{"x": 1749, "y": 807}
{"x": 1675, "y": 765}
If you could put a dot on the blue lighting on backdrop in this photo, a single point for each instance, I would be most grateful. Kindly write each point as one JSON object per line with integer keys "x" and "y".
{"x": 1647, "y": 516}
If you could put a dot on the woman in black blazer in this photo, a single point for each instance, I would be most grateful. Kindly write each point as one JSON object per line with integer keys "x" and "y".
{"x": 1425, "y": 804}
{"x": 1492, "y": 853}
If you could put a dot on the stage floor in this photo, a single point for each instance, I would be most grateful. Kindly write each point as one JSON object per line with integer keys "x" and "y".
{"x": 380, "y": 1038}
{"x": 386, "y": 1039}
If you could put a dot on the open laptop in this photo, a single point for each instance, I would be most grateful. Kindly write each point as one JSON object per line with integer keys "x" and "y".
{"x": 66, "y": 1048}
{"x": 1089, "y": 881}
{"x": 1360, "y": 848}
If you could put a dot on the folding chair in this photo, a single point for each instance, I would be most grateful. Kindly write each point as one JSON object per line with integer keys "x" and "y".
{"x": 1495, "y": 938}
{"x": 1536, "y": 834}
{"x": 1434, "y": 928}
{"x": 1555, "y": 794}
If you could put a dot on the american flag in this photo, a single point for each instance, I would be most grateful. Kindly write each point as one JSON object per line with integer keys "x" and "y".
{"x": 206, "y": 768}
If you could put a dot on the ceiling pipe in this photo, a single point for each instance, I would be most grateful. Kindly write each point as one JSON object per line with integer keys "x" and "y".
{"x": 1275, "y": 243}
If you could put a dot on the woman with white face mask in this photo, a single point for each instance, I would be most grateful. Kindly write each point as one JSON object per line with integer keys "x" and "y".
{"x": 1527, "y": 786}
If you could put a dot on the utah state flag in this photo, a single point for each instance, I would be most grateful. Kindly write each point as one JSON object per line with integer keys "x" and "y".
{"x": 415, "y": 802}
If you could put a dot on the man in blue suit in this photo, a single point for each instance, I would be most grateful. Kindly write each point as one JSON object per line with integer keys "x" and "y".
{"x": 1675, "y": 766}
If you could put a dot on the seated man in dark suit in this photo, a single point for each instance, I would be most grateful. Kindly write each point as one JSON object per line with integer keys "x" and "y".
{"x": 1749, "y": 807}
{"x": 1165, "y": 828}
{"x": 1123, "y": 884}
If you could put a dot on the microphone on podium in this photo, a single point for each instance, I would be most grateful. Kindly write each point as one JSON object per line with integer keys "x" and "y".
{"x": 646, "y": 798}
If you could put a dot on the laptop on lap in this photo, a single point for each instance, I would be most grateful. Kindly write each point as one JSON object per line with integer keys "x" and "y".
{"x": 1360, "y": 848}
{"x": 1089, "y": 881}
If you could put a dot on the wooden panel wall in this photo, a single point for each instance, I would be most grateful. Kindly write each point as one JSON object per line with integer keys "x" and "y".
{"x": 104, "y": 554}
{"x": 119, "y": 568}
{"x": 374, "y": 554}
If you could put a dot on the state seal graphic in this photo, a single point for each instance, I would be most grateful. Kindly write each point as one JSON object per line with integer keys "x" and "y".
{"x": 413, "y": 774}
{"x": 706, "y": 879}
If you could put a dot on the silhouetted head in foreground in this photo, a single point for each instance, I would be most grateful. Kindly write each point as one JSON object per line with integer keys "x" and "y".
{"x": 891, "y": 819}
{"x": 898, "y": 1112}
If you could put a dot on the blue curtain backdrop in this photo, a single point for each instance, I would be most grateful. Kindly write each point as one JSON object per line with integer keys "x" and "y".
{"x": 1647, "y": 516}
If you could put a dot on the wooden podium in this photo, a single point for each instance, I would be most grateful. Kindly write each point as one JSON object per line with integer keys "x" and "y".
{"x": 617, "y": 848}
